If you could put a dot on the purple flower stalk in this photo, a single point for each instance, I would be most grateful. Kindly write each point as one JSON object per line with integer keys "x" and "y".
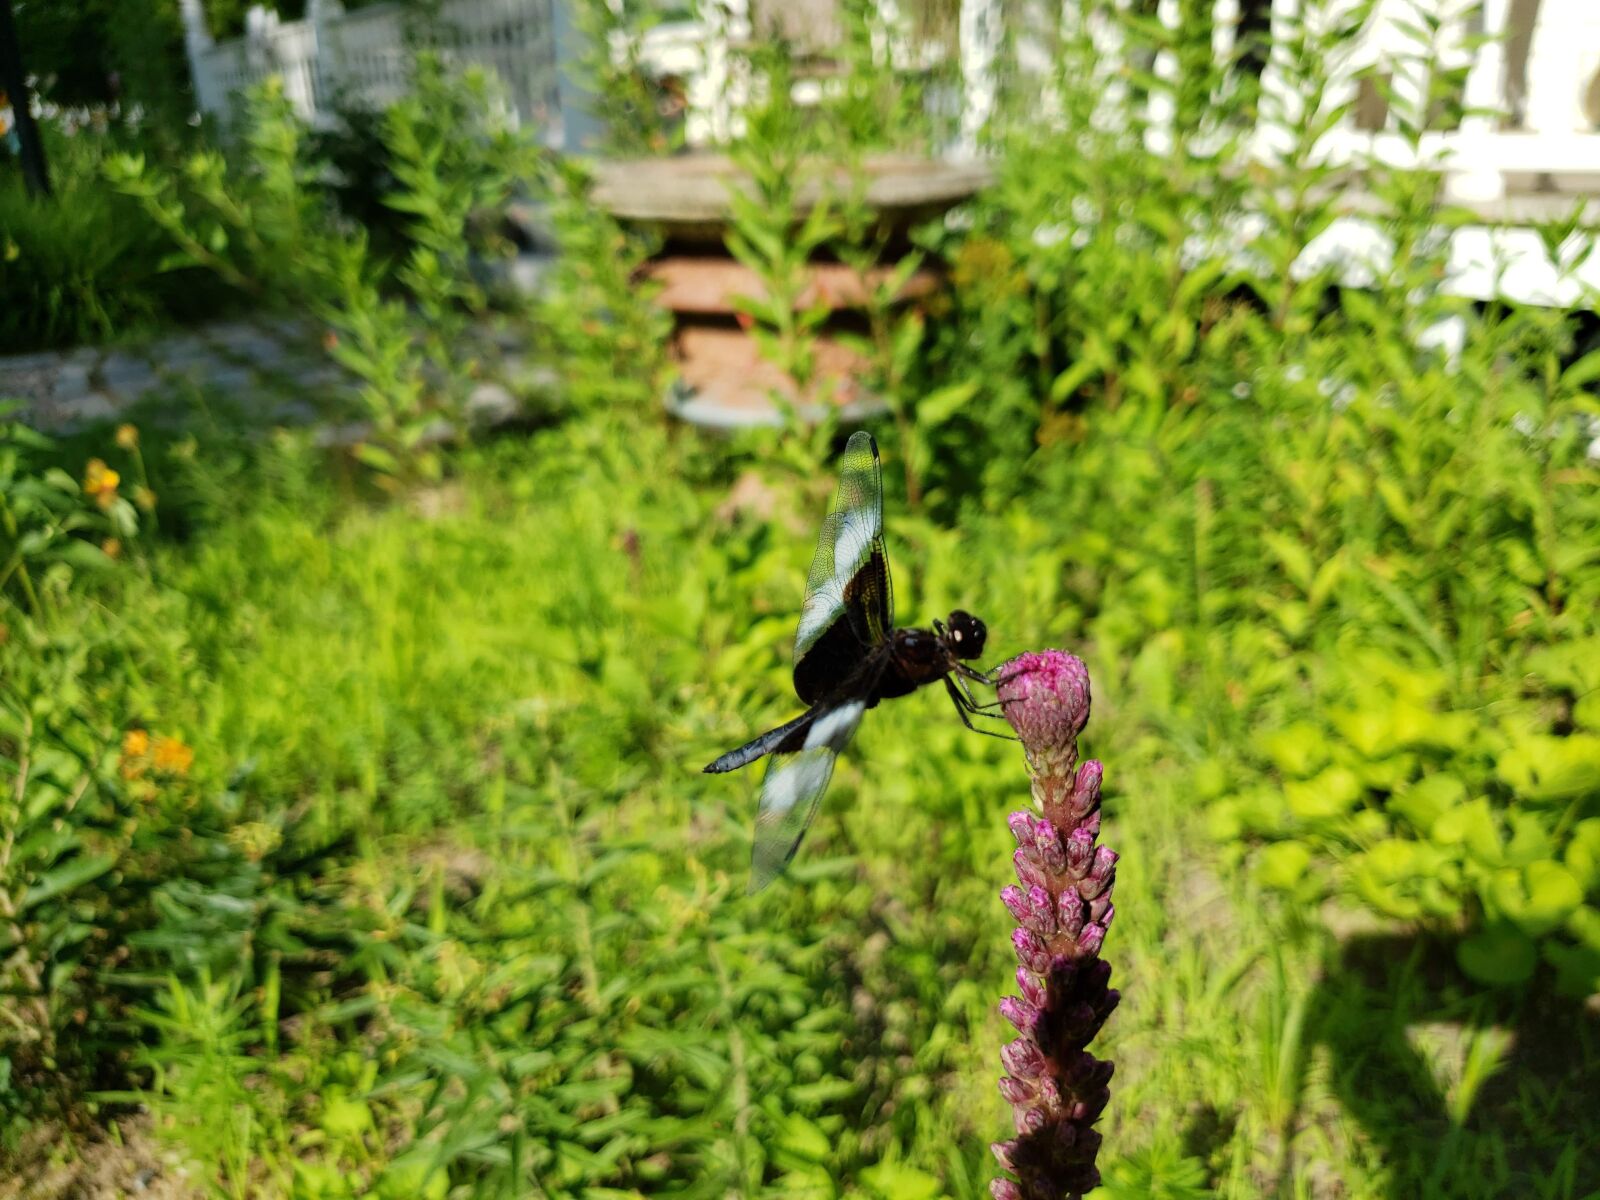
{"x": 1062, "y": 904}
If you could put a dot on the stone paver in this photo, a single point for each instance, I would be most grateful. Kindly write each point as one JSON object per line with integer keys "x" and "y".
{"x": 123, "y": 375}
{"x": 273, "y": 370}
{"x": 259, "y": 361}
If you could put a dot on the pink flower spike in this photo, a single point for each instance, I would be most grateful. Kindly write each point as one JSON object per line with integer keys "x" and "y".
{"x": 1062, "y": 906}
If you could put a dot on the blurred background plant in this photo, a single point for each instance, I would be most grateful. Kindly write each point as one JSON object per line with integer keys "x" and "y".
{"x": 353, "y": 842}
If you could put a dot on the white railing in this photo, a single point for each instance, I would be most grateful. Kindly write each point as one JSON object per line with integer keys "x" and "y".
{"x": 1541, "y": 120}
{"x": 364, "y": 58}
{"x": 1550, "y": 94}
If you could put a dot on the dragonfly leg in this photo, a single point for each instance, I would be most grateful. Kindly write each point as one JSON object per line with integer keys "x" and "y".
{"x": 962, "y": 710}
{"x": 972, "y": 706}
{"x": 984, "y": 677}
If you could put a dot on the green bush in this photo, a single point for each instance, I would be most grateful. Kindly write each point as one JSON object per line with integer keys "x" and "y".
{"x": 82, "y": 265}
{"x": 1354, "y": 571}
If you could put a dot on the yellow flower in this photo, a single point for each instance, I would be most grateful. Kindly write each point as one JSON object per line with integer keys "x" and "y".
{"x": 100, "y": 481}
{"x": 128, "y": 436}
{"x": 111, "y": 547}
{"x": 135, "y": 743}
{"x": 172, "y": 755}
{"x": 144, "y": 498}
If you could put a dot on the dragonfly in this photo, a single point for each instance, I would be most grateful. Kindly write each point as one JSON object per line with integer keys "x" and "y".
{"x": 849, "y": 656}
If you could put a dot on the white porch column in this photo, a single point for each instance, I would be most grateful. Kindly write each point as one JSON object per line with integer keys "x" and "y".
{"x": 979, "y": 34}
{"x": 1280, "y": 101}
{"x": 1162, "y": 105}
{"x": 323, "y": 16}
{"x": 577, "y": 127}
{"x": 1562, "y": 59}
{"x": 1479, "y": 179}
{"x": 196, "y": 41}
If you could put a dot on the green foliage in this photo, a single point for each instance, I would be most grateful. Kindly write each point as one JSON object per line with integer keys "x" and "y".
{"x": 264, "y": 221}
{"x": 1354, "y": 572}
{"x": 438, "y": 902}
{"x": 100, "y": 53}
{"x": 48, "y": 527}
{"x": 638, "y": 112}
{"x": 81, "y": 266}
{"x": 81, "y": 825}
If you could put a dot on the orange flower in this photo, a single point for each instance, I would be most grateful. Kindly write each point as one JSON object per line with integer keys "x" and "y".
{"x": 135, "y": 743}
{"x": 172, "y": 755}
{"x": 111, "y": 547}
{"x": 100, "y": 481}
{"x": 128, "y": 436}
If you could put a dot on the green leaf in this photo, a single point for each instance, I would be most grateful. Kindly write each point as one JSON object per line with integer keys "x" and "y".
{"x": 1369, "y": 729}
{"x": 1536, "y": 899}
{"x": 415, "y": 1175}
{"x": 892, "y": 1181}
{"x": 1577, "y": 969}
{"x": 1471, "y": 826}
{"x": 73, "y": 874}
{"x": 1586, "y": 712}
{"x": 86, "y": 555}
{"x": 1583, "y": 372}
{"x": 1500, "y": 956}
{"x": 1583, "y": 853}
{"x": 1293, "y": 557}
{"x": 1399, "y": 877}
{"x": 1283, "y": 866}
{"x": 346, "y": 1117}
{"x": 1329, "y": 795}
{"x": 1539, "y": 767}
{"x": 803, "y": 1139}
{"x": 377, "y": 458}
{"x": 1297, "y": 750}
{"x": 940, "y": 405}
{"x": 1422, "y": 803}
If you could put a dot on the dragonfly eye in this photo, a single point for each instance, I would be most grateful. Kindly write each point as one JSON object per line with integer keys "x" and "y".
{"x": 967, "y": 634}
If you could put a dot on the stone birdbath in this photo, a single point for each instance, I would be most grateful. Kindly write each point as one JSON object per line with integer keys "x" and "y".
{"x": 724, "y": 383}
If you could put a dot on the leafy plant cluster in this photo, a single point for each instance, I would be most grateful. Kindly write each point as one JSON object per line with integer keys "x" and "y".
{"x": 82, "y": 266}
{"x": 264, "y": 219}
{"x": 1341, "y": 529}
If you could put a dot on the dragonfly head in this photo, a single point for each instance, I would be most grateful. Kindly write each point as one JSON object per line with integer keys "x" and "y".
{"x": 965, "y": 635}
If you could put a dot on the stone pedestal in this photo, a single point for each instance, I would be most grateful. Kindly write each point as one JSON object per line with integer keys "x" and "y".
{"x": 724, "y": 381}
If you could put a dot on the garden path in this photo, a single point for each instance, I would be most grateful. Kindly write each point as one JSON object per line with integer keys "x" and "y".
{"x": 278, "y": 362}
{"x": 269, "y": 370}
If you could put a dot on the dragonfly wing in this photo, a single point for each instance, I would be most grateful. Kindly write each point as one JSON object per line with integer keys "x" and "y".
{"x": 797, "y": 776}
{"x": 849, "y": 605}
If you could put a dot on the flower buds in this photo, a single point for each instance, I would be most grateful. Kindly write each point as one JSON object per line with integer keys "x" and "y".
{"x": 1031, "y": 951}
{"x": 1062, "y": 906}
{"x": 1023, "y": 1059}
{"x": 1020, "y": 1013}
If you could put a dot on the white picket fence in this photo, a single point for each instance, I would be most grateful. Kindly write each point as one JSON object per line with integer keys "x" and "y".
{"x": 1544, "y": 130}
{"x": 364, "y": 58}
{"x": 1553, "y": 134}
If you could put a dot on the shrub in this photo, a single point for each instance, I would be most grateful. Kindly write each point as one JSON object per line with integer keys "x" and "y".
{"x": 82, "y": 265}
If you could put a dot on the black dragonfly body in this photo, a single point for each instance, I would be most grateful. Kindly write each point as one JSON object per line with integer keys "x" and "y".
{"x": 848, "y": 656}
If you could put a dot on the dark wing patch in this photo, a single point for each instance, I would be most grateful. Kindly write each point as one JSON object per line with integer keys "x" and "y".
{"x": 849, "y": 605}
{"x": 797, "y": 776}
